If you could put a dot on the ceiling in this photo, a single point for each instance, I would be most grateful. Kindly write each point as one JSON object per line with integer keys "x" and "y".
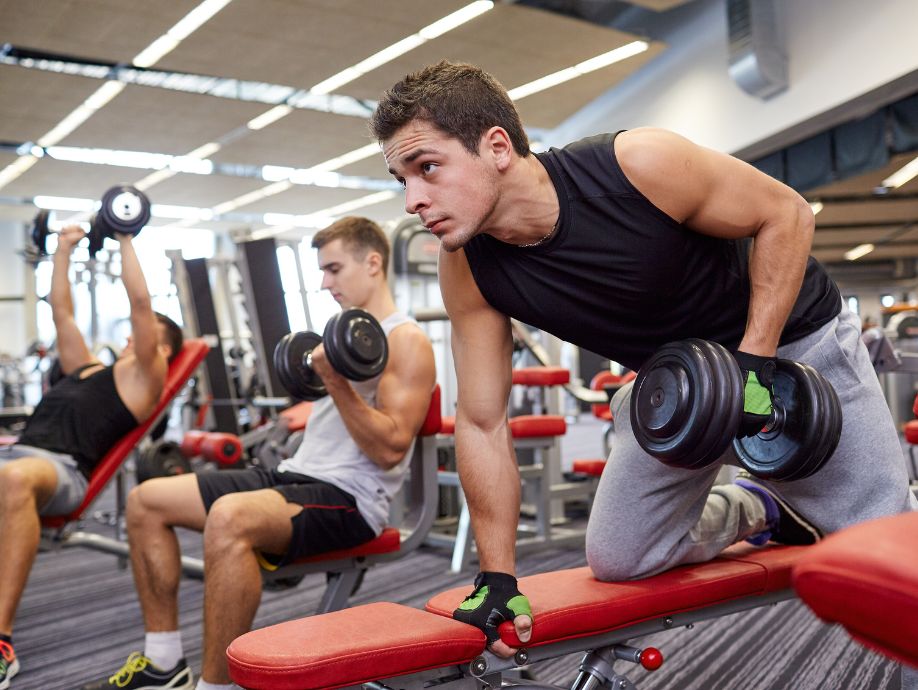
{"x": 298, "y": 44}
{"x": 291, "y": 43}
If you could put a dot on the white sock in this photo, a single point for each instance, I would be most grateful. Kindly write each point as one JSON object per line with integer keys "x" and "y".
{"x": 204, "y": 685}
{"x": 164, "y": 649}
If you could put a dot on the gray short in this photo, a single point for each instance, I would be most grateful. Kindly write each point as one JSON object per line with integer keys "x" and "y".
{"x": 71, "y": 484}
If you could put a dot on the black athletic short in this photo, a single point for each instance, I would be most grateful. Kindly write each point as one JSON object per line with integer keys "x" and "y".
{"x": 329, "y": 519}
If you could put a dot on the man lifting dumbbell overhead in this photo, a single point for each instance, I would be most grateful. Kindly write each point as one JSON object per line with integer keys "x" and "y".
{"x": 76, "y": 423}
{"x": 621, "y": 243}
{"x": 333, "y": 493}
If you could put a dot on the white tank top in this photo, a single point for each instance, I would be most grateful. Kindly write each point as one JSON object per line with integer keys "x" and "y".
{"x": 329, "y": 453}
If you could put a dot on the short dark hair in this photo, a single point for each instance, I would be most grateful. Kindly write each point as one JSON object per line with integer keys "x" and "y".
{"x": 460, "y": 99}
{"x": 174, "y": 335}
{"x": 357, "y": 235}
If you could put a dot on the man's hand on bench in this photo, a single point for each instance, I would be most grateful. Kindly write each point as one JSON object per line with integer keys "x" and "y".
{"x": 494, "y": 600}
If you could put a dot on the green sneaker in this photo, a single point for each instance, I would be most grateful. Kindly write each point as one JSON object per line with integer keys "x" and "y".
{"x": 9, "y": 664}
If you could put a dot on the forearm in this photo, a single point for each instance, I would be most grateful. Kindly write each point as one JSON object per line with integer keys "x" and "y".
{"x": 132, "y": 276}
{"x": 776, "y": 268}
{"x": 374, "y": 432}
{"x": 61, "y": 298}
{"x": 491, "y": 483}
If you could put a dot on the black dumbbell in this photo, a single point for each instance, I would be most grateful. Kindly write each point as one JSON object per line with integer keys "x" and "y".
{"x": 124, "y": 210}
{"x": 355, "y": 345}
{"x": 688, "y": 399}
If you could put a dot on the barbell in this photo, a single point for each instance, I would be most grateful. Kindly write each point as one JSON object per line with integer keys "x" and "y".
{"x": 687, "y": 403}
{"x": 355, "y": 345}
{"x": 124, "y": 210}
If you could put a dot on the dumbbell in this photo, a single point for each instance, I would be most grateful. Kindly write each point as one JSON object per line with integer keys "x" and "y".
{"x": 355, "y": 345}
{"x": 687, "y": 403}
{"x": 124, "y": 210}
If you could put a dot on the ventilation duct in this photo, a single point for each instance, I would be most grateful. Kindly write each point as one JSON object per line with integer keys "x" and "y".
{"x": 758, "y": 62}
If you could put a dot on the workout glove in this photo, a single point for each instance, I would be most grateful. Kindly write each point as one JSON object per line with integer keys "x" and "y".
{"x": 758, "y": 377}
{"x": 494, "y": 600}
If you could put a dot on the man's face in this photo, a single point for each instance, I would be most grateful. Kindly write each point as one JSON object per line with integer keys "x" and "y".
{"x": 347, "y": 278}
{"x": 452, "y": 191}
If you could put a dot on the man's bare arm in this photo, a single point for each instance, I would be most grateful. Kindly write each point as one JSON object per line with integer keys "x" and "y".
{"x": 715, "y": 194}
{"x": 71, "y": 346}
{"x": 385, "y": 432}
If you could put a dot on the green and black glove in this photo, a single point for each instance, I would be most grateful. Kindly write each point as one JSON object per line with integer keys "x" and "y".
{"x": 758, "y": 378}
{"x": 494, "y": 600}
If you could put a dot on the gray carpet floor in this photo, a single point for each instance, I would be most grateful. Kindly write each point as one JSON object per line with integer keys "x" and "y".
{"x": 79, "y": 619}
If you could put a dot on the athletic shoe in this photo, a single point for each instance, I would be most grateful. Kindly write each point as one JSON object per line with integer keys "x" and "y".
{"x": 139, "y": 673}
{"x": 9, "y": 664}
{"x": 785, "y": 526}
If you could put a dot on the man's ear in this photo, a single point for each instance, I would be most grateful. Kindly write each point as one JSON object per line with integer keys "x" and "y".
{"x": 496, "y": 144}
{"x": 374, "y": 262}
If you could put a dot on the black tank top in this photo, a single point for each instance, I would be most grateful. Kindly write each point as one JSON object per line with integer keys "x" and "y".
{"x": 81, "y": 417}
{"x": 620, "y": 277}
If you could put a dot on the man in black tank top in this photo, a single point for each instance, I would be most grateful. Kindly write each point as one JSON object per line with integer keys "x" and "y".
{"x": 621, "y": 243}
{"x": 75, "y": 424}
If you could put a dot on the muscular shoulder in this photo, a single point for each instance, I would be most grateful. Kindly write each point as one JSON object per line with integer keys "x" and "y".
{"x": 664, "y": 166}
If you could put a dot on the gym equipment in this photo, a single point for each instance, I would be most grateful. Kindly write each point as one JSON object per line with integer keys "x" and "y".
{"x": 161, "y": 459}
{"x": 124, "y": 210}
{"x": 355, "y": 345}
{"x": 385, "y": 645}
{"x": 687, "y": 403}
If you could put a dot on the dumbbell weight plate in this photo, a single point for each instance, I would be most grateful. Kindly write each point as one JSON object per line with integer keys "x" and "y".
{"x": 96, "y": 236}
{"x": 163, "y": 459}
{"x": 784, "y": 450}
{"x": 680, "y": 405}
{"x": 727, "y": 408}
{"x": 290, "y": 364}
{"x": 829, "y": 427}
{"x": 124, "y": 210}
{"x": 356, "y": 345}
{"x": 40, "y": 231}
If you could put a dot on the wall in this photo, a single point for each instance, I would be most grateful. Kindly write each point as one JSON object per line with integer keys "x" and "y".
{"x": 16, "y": 316}
{"x": 838, "y": 50}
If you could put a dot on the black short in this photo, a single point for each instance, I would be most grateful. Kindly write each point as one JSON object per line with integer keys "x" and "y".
{"x": 329, "y": 519}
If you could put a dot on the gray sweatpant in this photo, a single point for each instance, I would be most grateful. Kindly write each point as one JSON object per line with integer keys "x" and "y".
{"x": 648, "y": 517}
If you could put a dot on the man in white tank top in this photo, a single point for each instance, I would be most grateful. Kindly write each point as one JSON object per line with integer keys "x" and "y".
{"x": 334, "y": 493}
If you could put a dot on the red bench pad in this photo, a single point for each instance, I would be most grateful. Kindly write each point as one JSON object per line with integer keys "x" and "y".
{"x": 389, "y": 540}
{"x": 536, "y": 425}
{"x": 593, "y": 468}
{"x": 541, "y": 376}
{"x": 568, "y": 604}
{"x": 866, "y": 578}
{"x": 522, "y": 426}
{"x": 297, "y": 416}
{"x": 350, "y": 647}
{"x": 911, "y": 431}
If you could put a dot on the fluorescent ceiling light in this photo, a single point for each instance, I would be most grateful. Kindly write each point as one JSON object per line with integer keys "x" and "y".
{"x": 388, "y": 54}
{"x": 64, "y": 203}
{"x": 178, "y": 212}
{"x": 353, "y": 205}
{"x": 622, "y": 53}
{"x": 15, "y": 169}
{"x": 901, "y": 176}
{"x": 82, "y": 112}
{"x": 187, "y": 25}
{"x": 205, "y": 151}
{"x": 154, "y": 179}
{"x": 457, "y": 18}
{"x": 859, "y": 251}
{"x": 276, "y": 173}
{"x": 817, "y": 206}
{"x": 266, "y": 118}
{"x": 348, "y": 158}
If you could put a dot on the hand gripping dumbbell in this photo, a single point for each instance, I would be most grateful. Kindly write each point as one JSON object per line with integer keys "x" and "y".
{"x": 124, "y": 210}
{"x": 687, "y": 403}
{"x": 355, "y": 345}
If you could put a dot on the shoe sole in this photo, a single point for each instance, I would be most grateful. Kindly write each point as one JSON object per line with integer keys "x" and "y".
{"x": 799, "y": 519}
{"x": 11, "y": 671}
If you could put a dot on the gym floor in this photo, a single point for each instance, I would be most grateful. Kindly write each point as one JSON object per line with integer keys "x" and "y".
{"x": 79, "y": 619}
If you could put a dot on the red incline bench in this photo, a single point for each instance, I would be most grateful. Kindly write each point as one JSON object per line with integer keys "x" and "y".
{"x": 866, "y": 578}
{"x": 55, "y": 528}
{"x": 403, "y": 647}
